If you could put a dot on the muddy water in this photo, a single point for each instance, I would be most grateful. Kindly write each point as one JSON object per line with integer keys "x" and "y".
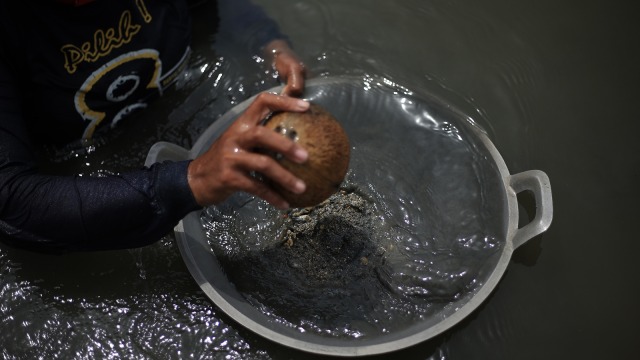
{"x": 553, "y": 83}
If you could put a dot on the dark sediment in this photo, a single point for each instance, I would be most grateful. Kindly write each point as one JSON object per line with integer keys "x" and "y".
{"x": 324, "y": 269}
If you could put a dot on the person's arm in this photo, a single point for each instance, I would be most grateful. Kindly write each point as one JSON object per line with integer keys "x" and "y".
{"x": 66, "y": 213}
{"x": 62, "y": 213}
{"x": 247, "y": 24}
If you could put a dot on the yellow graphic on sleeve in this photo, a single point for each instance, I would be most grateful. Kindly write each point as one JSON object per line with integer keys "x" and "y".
{"x": 106, "y": 88}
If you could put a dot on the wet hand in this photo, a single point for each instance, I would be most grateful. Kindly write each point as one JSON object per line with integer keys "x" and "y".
{"x": 289, "y": 67}
{"x": 229, "y": 163}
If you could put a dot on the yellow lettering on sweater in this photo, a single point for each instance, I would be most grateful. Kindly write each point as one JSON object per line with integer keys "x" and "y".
{"x": 104, "y": 41}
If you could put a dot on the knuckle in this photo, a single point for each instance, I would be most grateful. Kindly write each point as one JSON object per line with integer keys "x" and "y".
{"x": 258, "y": 131}
{"x": 261, "y": 96}
{"x": 264, "y": 97}
{"x": 227, "y": 176}
{"x": 262, "y": 163}
{"x": 249, "y": 135}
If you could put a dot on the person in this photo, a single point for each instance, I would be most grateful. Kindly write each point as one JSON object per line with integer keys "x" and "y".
{"x": 72, "y": 69}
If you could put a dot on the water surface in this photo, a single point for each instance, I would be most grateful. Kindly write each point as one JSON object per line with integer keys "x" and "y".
{"x": 416, "y": 229}
{"x": 553, "y": 83}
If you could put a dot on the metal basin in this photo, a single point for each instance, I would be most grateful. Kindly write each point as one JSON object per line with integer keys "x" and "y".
{"x": 451, "y": 189}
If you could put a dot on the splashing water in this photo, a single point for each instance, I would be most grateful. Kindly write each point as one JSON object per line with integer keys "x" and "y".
{"x": 406, "y": 237}
{"x": 143, "y": 304}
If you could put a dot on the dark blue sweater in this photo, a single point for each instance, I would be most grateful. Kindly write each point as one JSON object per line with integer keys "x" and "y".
{"x": 66, "y": 72}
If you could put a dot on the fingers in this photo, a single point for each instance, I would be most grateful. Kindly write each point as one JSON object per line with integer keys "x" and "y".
{"x": 295, "y": 85}
{"x": 212, "y": 182}
{"x": 295, "y": 80}
{"x": 270, "y": 168}
{"x": 262, "y": 190}
{"x": 264, "y": 138}
{"x": 227, "y": 165}
{"x": 266, "y": 103}
{"x": 289, "y": 67}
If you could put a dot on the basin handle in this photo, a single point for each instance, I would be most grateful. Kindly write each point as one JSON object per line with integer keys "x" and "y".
{"x": 537, "y": 182}
{"x": 163, "y": 150}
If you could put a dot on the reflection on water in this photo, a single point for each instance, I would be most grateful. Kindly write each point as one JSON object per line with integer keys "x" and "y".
{"x": 143, "y": 303}
{"x": 415, "y": 230}
{"x": 137, "y": 304}
{"x": 129, "y": 305}
{"x": 546, "y": 79}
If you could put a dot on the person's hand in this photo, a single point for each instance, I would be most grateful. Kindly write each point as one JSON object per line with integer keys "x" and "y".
{"x": 289, "y": 67}
{"x": 228, "y": 165}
